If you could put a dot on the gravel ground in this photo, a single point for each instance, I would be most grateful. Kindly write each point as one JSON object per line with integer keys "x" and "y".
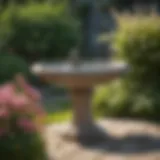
{"x": 128, "y": 140}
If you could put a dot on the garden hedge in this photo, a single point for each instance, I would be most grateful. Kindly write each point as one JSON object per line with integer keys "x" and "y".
{"x": 38, "y": 31}
{"x": 137, "y": 41}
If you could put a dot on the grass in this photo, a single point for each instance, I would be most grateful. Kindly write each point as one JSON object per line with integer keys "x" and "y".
{"x": 59, "y": 112}
{"x": 60, "y": 116}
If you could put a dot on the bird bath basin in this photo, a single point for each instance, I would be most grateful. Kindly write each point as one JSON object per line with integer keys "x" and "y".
{"x": 80, "y": 79}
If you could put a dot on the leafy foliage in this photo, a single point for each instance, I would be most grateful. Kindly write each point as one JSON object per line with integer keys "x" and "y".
{"x": 38, "y": 31}
{"x": 11, "y": 65}
{"x": 137, "y": 41}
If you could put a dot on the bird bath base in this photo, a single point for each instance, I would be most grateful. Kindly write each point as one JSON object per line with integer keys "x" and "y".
{"x": 83, "y": 127}
{"x": 91, "y": 134}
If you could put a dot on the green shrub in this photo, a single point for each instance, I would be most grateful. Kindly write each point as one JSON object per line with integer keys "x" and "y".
{"x": 137, "y": 41}
{"x": 112, "y": 99}
{"x": 38, "y": 31}
{"x": 11, "y": 65}
{"x": 117, "y": 100}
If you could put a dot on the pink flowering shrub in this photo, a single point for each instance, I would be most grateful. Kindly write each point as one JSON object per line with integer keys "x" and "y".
{"x": 21, "y": 118}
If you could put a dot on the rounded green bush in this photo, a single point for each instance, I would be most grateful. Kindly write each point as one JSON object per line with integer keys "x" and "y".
{"x": 112, "y": 100}
{"x": 39, "y": 31}
{"x": 137, "y": 41}
{"x": 23, "y": 147}
{"x": 11, "y": 65}
{"x": 118, "y": 100}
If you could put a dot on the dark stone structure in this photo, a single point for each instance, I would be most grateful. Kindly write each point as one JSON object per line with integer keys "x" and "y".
{"x": 95, "y": 21}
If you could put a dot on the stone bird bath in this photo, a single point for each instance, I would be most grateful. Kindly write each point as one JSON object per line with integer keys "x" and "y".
{"x": 80, "y": 78}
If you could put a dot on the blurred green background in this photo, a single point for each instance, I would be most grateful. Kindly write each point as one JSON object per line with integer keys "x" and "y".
{"x": 45, "y": 30}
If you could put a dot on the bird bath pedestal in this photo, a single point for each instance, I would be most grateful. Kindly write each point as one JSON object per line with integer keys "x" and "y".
{"x": 80, "y": 80}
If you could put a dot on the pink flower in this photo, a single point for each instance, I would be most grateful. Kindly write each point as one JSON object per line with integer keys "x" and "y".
{"x": 28, "y": 90}
{"x": 26, "y": 125}
{"x": 21, "y": 105}
{"x": 32, "y": 93}
{"x": 19, "y": 102}
{"x": 6, "y": 93}
{"x": 9, "y": 87}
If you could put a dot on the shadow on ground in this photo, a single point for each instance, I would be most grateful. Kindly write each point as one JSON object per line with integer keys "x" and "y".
{"x": 129, "y": 145}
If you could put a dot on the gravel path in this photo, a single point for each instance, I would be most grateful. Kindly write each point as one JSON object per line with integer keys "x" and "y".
{"x": 128, "y": 140}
